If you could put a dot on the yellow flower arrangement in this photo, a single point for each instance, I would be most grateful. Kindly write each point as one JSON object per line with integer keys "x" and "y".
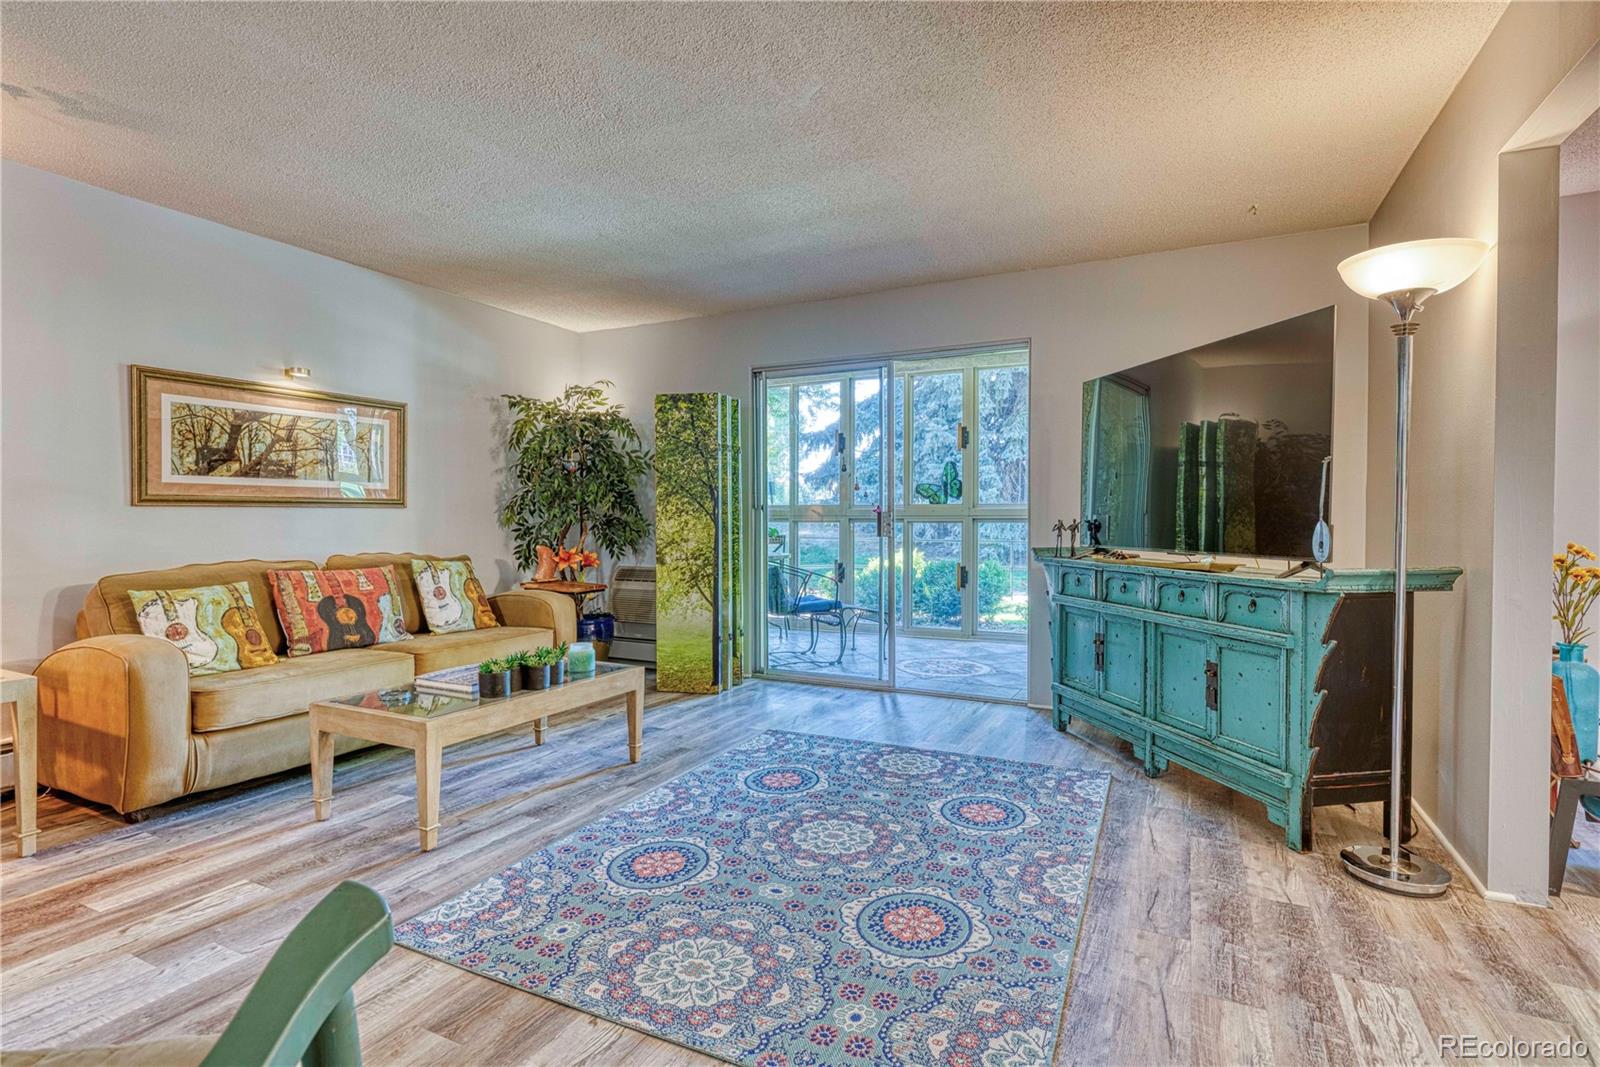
{"x": 1575, "y": 590}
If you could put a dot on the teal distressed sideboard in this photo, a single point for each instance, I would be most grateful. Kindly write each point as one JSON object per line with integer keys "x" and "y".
{"x": 1279, "y": 688}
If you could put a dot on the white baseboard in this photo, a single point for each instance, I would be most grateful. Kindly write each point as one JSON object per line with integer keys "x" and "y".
{"x": 1472, "y": 876}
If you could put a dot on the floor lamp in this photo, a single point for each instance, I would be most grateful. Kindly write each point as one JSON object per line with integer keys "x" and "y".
{"x": 1403, "y": 276}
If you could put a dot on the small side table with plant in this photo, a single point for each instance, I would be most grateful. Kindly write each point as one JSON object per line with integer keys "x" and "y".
{"x": 1575, "y": 586}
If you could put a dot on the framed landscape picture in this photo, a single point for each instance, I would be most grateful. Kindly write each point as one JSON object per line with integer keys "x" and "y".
{"x": 221, "y": 441}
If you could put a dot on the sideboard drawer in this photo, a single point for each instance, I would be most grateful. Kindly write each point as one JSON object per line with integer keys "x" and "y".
{"x": 1258, "y": 609}
{"x": 1077, "y": 581}
{"x": 1129, "y": 590}
{"x": 1181, "y": 598}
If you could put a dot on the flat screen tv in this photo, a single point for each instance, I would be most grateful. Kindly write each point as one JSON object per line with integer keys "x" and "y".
{"x": 1217, "y": 450}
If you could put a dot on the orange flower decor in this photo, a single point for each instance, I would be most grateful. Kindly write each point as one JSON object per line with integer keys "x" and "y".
{"x": 575, "y": 561}
{"x": 1576, "y": 585}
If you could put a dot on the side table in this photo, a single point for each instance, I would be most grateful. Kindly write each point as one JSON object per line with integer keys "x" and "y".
{"x": 578, "y": 591}
{"x": 1567, "y": 794}
{"x": 21, "y": 693}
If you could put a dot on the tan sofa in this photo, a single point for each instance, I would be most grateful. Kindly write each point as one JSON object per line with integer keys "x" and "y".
{"x": 122, "y": 723}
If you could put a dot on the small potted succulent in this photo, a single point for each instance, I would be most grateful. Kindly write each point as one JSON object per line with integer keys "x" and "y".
{"x": 518, "y": 663}
{"x": 558, "y": 664}
{"x": 536, "y": 672}
{"x": 494, "y": 678}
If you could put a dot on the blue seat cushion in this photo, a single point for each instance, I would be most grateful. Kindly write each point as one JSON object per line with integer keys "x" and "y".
{"x": 812, "y": 605}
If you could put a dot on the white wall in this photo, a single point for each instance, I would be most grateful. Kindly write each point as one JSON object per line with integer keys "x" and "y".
{"x": 1471, "y": 775}
{"x": 94, "y": 281}
{"x": 1578, "y": 374}
{"x": 1083, "y": 321}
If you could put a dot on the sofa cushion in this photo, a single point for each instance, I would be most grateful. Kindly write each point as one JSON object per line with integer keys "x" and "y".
{"x": 322, "y": 610}
{"x": 216, "y": 626}
{"x": 107, "y": 609}
{"x": 223, "y": 701}
{"x": 436, "y": 652}
{"x": 410, "y": 605}
{"x": 452, "y": 597}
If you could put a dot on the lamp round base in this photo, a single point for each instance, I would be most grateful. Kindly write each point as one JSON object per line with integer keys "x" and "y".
{"x": 1413, "y": 876}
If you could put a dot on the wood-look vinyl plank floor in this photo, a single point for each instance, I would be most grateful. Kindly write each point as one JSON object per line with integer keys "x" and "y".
{"x": 1205, "y": 940}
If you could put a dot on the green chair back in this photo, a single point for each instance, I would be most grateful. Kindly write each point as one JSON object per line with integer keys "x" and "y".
{"x": 303, "y": 1007}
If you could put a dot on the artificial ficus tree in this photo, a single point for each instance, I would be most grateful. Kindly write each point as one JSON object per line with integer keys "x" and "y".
{"x": 575, "y": 464}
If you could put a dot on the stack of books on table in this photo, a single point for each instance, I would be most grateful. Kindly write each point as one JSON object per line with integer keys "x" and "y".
{"x": 454, "y": 681}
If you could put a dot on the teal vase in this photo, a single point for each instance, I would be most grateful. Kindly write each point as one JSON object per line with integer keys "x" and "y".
{"x": 1582, "y": 683}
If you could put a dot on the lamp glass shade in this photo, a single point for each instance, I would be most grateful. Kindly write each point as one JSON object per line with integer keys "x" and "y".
{"x": 1439, "y": 265}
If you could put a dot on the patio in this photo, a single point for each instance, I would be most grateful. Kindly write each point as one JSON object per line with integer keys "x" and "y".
{"x": 984, "y": 669}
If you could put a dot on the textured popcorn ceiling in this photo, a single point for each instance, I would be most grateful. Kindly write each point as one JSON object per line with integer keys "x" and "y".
{"x": 1580, "y": 159}
{"x": 603, "y": 165}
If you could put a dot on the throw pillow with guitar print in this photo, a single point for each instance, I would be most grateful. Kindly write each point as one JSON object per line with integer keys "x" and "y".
{"x": 452, "y": 597}
{"x": 325, "y": 610}
{"x": 215, "y": 625}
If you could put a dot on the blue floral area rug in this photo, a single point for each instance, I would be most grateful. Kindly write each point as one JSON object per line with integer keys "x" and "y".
{"x": 806, "y": 900}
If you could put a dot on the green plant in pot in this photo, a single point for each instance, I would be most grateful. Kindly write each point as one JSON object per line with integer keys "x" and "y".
{"x": 558, "y": 664}
{"x": 521, "y": 665}
{"x": 494, "y": 678}
{"x": 575, "y": 464}
{"x": 535, "y": 669}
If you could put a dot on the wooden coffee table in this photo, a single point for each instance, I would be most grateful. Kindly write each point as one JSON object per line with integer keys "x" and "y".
{"x": 426, "y": 722}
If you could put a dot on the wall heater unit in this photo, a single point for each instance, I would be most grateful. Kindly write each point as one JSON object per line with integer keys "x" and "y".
{"x": 633, "y": 602}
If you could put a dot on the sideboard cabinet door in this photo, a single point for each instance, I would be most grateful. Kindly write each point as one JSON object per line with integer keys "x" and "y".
{"x": 1122, "y": 680}
{"x": 1181, "y": 657}
{"x": 1076, "y": 633}
{"x": 1252, "y": 686}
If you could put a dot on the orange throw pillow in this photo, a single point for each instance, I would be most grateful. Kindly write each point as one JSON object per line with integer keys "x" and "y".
{"x": 324, "y": 610}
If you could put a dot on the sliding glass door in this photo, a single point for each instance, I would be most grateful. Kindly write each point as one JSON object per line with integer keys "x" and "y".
{"x": 827, "y": 575}
{"x": 894, "y": 505}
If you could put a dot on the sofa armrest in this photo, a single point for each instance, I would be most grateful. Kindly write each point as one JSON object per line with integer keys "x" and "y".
{"x": 114, "y": 720}
{"x": 538, "y": 607}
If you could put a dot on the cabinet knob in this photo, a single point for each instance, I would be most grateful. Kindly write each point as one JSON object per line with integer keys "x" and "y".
{"x": 1180, "y": 596}
{"x": 1252, "y": 605}
{"x": 1124, "y": 587}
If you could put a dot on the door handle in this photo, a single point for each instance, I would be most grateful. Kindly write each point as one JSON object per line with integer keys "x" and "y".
{"x": 961, "y": 576}
{"x": 1100, "y": 652}
{"x": 1211, "y": 684}
{"x": 963, "y": 435}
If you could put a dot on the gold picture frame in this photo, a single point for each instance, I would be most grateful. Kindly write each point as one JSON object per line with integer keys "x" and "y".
{"x": 227, "y": 442}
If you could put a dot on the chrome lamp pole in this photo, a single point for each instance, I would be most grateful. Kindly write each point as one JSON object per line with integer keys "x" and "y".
{"x": 1403, "y": 276}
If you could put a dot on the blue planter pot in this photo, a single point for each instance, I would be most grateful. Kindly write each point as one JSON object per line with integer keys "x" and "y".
{"x": 1582, "y": 683}
{"x": 601, "y": 627}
